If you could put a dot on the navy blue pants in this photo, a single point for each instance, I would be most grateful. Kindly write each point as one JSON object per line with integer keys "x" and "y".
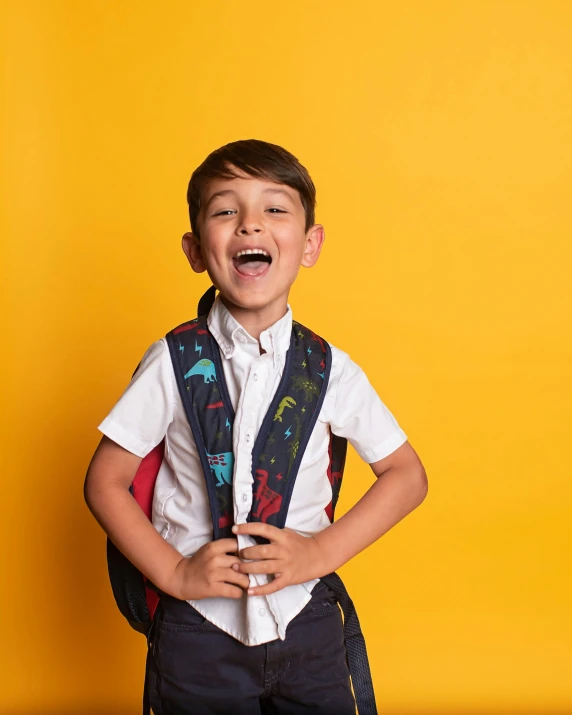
{"x": 197, "y": 669}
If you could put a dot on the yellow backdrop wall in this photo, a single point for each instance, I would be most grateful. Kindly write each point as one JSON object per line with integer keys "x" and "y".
{"x": 439, "y": 136}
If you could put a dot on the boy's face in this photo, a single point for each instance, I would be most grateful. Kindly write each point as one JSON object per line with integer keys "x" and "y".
{"x": 253, "y": 242}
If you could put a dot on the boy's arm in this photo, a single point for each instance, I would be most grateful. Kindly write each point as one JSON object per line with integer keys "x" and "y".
{"x": 208, "y": 573}
{"x": 400, "y": 487}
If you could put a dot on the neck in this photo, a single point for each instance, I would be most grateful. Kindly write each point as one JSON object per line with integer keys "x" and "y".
{"x": 258, "y": 320}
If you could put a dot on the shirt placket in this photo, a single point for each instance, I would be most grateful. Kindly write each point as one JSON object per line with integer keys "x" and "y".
{"x": 254, "y": 388}
{"x": 246, "y": 431}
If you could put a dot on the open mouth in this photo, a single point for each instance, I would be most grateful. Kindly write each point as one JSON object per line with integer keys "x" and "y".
{"x": 251, "y": 261}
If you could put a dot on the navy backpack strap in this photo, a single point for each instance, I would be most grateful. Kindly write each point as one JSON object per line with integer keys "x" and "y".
{"x": 198, "y": 370}
{"x": 288, "y": 424}
{"x": 206, "y": 302}
{"x": 358, "y": 662}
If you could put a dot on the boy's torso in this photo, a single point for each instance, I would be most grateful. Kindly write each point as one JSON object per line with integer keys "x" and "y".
{"x": 181, "y": 510}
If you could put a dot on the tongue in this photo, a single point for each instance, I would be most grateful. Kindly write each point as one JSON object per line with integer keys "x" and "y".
{"x": 251, "y": 268}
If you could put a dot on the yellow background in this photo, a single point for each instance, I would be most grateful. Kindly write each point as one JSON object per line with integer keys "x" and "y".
{"x": 439, "y": 135}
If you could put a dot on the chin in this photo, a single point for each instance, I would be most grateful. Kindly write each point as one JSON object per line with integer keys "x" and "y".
{"x": 252, "y": 300}
{"x": 255, "y": 302}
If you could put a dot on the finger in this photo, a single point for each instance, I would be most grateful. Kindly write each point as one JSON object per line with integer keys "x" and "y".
{"x": 260, "y": 567}
{"x": 233, "y": 577}
{"x": 264, "y": 551}
{"x": 225, "y": 561}
{"x": 257, "y": 528}
{"x": 228, "y": 591}
{"x": 275, "y": 585}
{"x": 225, "y": 546}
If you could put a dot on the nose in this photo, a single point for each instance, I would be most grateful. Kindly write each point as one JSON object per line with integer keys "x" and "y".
{"x": 250, "y": 224}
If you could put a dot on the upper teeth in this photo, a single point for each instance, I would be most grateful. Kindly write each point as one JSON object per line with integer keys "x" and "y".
{"x": 248, "y": 251}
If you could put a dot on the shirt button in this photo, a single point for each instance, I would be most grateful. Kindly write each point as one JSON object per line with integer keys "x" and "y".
{"x": 261, "y": 612}
{"x": 255, "y": 377}
{"x": 227, "y": 349}
{"x": 245, "y": 497}
{"x": 248, "y": 437}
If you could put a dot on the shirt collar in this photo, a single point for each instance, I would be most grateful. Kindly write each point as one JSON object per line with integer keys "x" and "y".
{"x": 230, "y": 334}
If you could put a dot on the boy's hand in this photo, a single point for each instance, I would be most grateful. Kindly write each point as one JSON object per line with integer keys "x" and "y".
{"x": 290, "y": 557}
{"x": 209, "y": 573}
{"x": 400, "y": 487}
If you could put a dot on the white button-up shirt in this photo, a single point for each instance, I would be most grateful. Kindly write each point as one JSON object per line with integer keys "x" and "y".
{"x": 151, "y": 410}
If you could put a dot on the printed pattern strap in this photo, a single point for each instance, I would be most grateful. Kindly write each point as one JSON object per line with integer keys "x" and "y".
{"x": 198, "y": 370}
{"x": 288, "y": 425}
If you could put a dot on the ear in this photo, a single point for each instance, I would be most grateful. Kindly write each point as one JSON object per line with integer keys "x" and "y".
{"x": 193, "y": 252}
{"x": 315, "y": 238}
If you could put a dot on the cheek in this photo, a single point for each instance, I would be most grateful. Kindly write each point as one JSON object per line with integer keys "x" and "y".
{"x": 214, "y": 246}
{"x": 291, "y": 247}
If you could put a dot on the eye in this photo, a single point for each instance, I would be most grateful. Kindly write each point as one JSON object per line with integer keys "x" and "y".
{"x": 274, "y": 210}
{"x": 225, "y": 212}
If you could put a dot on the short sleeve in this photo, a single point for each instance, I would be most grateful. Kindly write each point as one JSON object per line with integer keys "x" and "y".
{"x": 361, "y": 417}
{"x": 139, "y": 420}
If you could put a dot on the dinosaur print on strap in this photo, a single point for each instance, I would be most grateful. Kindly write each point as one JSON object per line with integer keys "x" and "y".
{"x": 195, "y": 355}
{"x": 287, "y": 427}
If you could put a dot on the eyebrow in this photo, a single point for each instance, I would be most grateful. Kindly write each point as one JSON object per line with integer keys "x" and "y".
{"x": 226, "y": 192}
{"x": 278, "y": 191}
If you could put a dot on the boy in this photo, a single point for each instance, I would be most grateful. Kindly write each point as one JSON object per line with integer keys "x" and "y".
{"x": 245, "y": 625}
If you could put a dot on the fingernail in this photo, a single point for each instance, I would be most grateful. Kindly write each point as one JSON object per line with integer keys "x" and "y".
{"x": 250, "y": 592}
{"x": 235, "y": 567}
{"x": 235, "y": 529}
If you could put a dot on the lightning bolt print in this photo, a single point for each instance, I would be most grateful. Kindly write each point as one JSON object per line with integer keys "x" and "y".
{"x": 288, "y": 433}
{"x": 309, "y": 350}
{"x": 272, "y": 460}
{"x": 198, "y": 349}
{"x": 181, "y": 348}
{"x": 227, "y": 423}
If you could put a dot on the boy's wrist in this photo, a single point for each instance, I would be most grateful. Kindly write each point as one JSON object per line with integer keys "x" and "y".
{"x": 326, "y": 560}
{"x": 174, "y": 581}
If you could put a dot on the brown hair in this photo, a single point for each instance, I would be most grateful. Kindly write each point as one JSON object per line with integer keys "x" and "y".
{"x": 254, "y": 158}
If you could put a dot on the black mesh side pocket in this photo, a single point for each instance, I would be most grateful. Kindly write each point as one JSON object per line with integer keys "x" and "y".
{"x": 128, "y": 588}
